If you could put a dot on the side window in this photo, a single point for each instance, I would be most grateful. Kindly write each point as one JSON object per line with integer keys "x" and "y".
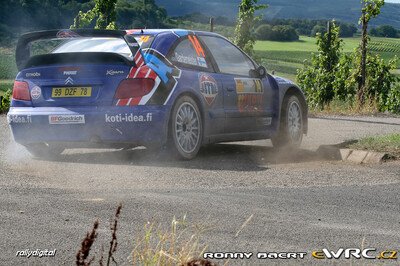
{"x": 230, "y": 60}
{"x": 189, "y": 52}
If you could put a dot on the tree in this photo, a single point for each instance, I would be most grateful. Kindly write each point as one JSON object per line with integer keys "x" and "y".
{"x": 370, "y": 9}
{"x": 384, "y": 31}
{"x": 104, "y": 11}
{"x": 347, "y": 29}
{"x": 140, "y": 14}
{"x": 318, "y": 78}
{"x": 318, "y": 29}
{"x": 264, "y": 32}
{"x": 282, "y": 33}
{"x": 244, "y": 31}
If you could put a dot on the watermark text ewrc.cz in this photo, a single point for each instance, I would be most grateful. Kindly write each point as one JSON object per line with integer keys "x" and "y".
{"x": 38, "y": 253}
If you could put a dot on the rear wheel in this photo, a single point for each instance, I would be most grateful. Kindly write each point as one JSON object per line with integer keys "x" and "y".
{"x": 44, "y": 150}
{"x": 186, "y": 128}
{"x": 291, "y": 126}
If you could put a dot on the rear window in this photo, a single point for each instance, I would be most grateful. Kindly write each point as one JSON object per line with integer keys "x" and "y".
{"x": 109, "y": 45}
{"x": 144, "y": 40}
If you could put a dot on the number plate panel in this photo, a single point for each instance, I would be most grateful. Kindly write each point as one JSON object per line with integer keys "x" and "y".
{"x": 66, "y": 92}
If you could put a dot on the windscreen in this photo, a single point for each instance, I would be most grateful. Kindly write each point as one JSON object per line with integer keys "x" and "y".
{"x": 108, "y": 45}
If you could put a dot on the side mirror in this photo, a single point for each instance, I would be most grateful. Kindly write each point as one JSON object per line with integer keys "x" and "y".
{"x": 260, "y": 72}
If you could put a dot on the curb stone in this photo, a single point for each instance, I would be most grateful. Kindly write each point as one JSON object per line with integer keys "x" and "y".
{"x": 332, "y": 152}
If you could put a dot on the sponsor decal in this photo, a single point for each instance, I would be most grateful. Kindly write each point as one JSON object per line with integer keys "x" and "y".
{"x": 67, "y": 34}
{"x": 201, "y": 61}
{"x": 208, "y": 88}
{"x": 250, "y": 93}
{"x": 36, "y": 92}
{"x": 186, "y": 59}
{"x": 129, "y": 118}
{"x": 69, "y": 80}
{"x": 66, "y": 119}
{"x": 70, "y": 72}
{"x": 33, "y": 75}
{"x": 19, "y": 119}
{"x": 114, "y": 72}
{"x": 197, "y": 46}
{"x": 143, "y": 39}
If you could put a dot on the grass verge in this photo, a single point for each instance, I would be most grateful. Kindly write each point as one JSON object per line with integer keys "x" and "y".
{"x": 386, "y": 143}
{"x": 179, "y": 245}
{"x": 349, "y": 107}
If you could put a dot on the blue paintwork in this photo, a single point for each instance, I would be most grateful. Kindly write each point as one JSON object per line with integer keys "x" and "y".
{"x": 222, "y": 119}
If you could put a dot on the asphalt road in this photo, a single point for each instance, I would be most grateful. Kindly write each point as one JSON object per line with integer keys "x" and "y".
{"x": 297, "y": 202}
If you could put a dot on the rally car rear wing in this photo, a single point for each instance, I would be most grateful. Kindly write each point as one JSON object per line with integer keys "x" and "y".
{"x": 23, "y": 51}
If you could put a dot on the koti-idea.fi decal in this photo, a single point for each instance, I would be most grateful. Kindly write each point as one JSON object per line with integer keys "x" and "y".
{"x": 208, "y": 88}
{"x": 250, "y": 94}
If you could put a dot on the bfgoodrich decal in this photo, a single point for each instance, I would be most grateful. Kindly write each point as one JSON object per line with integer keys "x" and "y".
{"x": 66, "y": 119}
{"x": 208, "y": 88}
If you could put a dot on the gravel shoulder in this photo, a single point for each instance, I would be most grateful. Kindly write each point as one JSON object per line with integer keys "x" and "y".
{"x": 298, "y": 202}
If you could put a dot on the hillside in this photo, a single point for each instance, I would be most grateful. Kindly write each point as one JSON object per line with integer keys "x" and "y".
{"x": 344, "y": 10}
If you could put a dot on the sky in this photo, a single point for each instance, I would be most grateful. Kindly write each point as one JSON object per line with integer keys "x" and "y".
{"x": 392, "y": 1}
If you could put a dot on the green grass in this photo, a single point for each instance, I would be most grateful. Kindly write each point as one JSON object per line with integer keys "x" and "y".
{"x": 385, "y": 143}
{"x": 5, "y": 85}
{"x": 286, "y": 57}
{"x": 8, "y": 68}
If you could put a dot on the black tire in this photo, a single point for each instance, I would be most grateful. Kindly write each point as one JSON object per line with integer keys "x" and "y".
{"x": 186, "y": 128}
{"x": 291, "y": 128}
{"x": 44, "y": 150}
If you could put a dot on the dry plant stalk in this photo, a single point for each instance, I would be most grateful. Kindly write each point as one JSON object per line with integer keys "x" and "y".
{"x": 114, "y": 242}
{"x": 86, "y": 245}
{"x": 160, "y": 247}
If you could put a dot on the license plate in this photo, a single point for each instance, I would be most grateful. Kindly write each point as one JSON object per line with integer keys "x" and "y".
{"x": 71, "y": 92}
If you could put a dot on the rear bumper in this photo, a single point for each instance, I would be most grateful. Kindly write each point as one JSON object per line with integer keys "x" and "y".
{"x": 133, "y": 125}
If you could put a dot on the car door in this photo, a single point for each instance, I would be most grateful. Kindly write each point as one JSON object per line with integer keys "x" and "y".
{"x": 198, "y": 73}
{"x": 245, "y": 100}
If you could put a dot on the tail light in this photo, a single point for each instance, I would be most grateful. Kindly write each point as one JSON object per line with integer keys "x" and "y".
{"x": 130, "y": 88}
{"x": 21, "y": 91}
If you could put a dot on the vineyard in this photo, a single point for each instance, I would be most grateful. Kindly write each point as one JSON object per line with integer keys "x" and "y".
{"x": 284, "y": 58}
{"x": 390, "y": 46}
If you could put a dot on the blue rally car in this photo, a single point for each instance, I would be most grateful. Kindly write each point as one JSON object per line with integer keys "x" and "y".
{"x": 165, "y": 88}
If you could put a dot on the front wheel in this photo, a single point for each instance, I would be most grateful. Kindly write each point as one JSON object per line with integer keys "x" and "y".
{"x": 291, "y": 126}
{"x": 186, "y": 128}
{"x": 44, "y": 150}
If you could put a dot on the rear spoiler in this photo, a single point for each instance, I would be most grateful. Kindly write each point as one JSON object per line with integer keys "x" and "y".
{"x": 23, "y": 54}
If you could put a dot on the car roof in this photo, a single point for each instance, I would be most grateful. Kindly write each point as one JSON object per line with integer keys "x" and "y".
{"x": 179, "y": 32}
